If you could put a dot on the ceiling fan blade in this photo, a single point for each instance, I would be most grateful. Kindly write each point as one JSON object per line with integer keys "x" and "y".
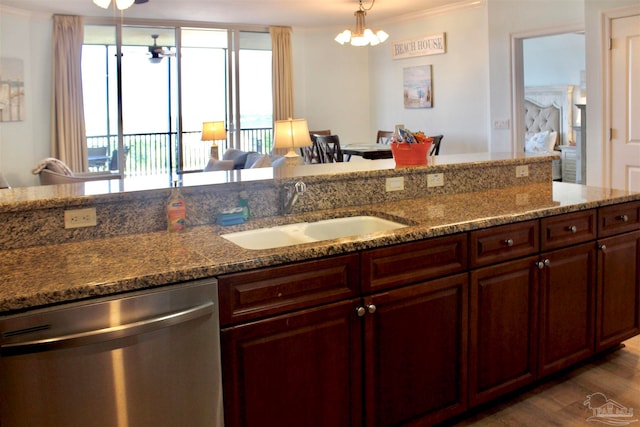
{"x": 140, "y": 1}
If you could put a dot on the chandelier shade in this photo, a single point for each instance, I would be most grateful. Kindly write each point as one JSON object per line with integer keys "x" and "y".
{"x": 362, "y": 36}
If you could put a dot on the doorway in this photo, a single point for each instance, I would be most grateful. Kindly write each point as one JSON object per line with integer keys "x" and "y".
{"x": 548, "y": 68}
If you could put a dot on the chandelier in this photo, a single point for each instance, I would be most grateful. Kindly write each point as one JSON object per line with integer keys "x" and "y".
{"x": 362, "y": 35}
{"x": 120, "y": 4}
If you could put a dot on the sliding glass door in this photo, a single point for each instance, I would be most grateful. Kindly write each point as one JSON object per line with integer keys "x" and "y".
{"x": 148, "y": 90}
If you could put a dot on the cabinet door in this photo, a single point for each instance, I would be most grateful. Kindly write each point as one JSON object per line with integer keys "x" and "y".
{"x": 299, "y": 369}
{"x": 416, "y": 352}
{"x": 567, "y": 307}
{"x": 503, "y": 332}
{"x": 618, "y": 296}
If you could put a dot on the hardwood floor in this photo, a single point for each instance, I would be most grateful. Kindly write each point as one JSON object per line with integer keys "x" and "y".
{"x": 559, "y": 401}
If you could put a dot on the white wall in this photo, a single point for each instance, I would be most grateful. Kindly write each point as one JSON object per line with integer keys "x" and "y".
{"x": 23, "y": 144}
{"x": 331, "y": 84}
{"x": 554, "y": 60}
{"x": 460, "y": 79}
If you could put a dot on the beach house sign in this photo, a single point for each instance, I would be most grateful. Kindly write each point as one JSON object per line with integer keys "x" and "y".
{"x": 422, "y": 46}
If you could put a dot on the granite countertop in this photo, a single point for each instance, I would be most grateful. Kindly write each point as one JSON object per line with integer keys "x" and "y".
{"x": 52, "y": 274}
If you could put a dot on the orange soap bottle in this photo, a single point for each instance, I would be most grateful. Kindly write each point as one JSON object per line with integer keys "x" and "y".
{"x": 176, "y": 210}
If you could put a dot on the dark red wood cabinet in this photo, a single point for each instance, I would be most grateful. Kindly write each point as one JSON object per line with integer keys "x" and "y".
{"x": 417, "y": 333}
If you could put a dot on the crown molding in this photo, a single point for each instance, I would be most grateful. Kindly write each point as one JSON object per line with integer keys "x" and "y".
{"x": 448, "y": 8}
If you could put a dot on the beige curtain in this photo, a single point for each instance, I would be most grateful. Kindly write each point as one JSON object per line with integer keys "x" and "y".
{"x": 68, "y": 136}
{"x": 282, "y": 73}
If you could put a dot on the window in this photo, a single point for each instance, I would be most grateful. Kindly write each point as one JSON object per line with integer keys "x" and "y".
{"x": 147, "y": 96}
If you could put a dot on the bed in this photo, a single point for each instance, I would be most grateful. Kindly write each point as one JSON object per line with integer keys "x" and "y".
{"x": 547, "y": 120}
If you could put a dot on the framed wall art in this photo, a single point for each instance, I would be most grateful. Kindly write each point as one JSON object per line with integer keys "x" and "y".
{"x": 11, "y": 90}
{"x": 418, "y": 90}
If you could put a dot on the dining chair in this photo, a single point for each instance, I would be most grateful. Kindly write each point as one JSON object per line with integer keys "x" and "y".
{"x": 329, "y": 150}
{"x": 310, "y": 154}
{"x": 384, "y": 136}
{"x": 435, "y": 147}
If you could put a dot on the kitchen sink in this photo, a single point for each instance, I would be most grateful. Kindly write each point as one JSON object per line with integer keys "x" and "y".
{"x": 307, "y": 232}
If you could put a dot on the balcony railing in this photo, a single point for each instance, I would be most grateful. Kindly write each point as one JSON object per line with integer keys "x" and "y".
{"x": 148, "y": 154}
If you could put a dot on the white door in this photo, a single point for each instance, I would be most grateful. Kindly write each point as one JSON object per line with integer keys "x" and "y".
{"x": 625, "y": 103}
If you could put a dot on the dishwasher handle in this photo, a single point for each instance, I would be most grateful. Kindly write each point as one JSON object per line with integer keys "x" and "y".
{"x": 107, "y": 334}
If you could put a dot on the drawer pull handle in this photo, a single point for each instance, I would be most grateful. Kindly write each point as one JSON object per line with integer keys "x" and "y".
{"x": 509, "y": 242}
{"x": 360, "y": 311}
{"x": 573, "y": 229}
{"x": 603, "y": 248}
{"x": 623, "y": 218}
{"x": 371, "y": 308}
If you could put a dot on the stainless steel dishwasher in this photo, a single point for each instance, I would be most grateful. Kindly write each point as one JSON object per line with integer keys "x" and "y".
{"x": 149, "y": 358}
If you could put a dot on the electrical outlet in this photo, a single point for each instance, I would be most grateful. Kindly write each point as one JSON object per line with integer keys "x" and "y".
{"x": 75, "y": 218}
{"x": 522, "y": 171}
{"x": 395, "y": 184}
{"x": 435, "y": 180}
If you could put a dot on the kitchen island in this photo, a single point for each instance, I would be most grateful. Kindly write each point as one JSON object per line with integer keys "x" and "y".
{"x": 353, "y": 311}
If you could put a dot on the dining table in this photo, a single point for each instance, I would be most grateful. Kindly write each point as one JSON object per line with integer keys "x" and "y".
{"x": 367, "y": 151}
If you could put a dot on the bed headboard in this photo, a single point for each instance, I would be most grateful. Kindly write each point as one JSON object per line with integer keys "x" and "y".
{"x": 539, "y": 118}
{"x": 560, "y": 98}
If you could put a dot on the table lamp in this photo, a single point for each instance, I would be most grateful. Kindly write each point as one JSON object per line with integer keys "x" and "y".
{"x": 213, "y": 131}
{"x": 291, "y": 134}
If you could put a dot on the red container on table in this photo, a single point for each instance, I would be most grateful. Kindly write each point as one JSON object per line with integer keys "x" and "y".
{"x": 410, "y": 154}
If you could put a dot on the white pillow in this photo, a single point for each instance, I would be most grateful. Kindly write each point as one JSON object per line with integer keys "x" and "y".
{"x": 262, "y": 162}
{"x": 553, "y": 138}
{"x": 536, "y": 142}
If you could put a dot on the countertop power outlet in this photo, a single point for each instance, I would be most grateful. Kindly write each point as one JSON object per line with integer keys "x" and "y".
{"x": 522, "y": 171}
{"x": 435, "y": 180}
{"x": 76, "y": 218}
{"x": 395, "y": 184}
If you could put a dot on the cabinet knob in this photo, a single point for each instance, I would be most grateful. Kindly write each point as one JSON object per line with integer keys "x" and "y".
{"x": 542, "y": 264}
{"x": 360, "y": 311}
{"x": 603, "y": 248}
{"x": 573, "y": 229}
{"x": 623, "y": 218}
{"x": 371, "y": 308}
{"x": 509, "y": 242}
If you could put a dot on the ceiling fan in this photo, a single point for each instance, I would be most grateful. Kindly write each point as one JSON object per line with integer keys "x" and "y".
{"x": 158, "y": 52}
{"x": 120, "y": 4}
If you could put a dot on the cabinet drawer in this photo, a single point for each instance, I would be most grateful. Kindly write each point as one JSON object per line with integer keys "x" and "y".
{"x": 567, "y": 229}
{"x": 504, "y": 242}
{"x": 254, "y": 294}
{"x": 413, "y": 262}
{"x": 618, "y": 219}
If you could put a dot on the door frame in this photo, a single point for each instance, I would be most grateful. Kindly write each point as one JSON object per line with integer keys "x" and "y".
{"x": 517, "y": 76}
{"x": 606, "y": 18}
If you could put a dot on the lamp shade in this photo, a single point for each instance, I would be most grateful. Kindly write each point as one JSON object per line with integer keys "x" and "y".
{"x": 212, "y": 131}
{"x": 290, "y": 134}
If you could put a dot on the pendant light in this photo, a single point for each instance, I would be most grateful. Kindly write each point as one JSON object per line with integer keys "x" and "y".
{"x": 362, "y": 36}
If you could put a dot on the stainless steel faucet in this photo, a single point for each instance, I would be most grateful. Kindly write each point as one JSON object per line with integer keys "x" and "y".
{"x": 292, "y": 192}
